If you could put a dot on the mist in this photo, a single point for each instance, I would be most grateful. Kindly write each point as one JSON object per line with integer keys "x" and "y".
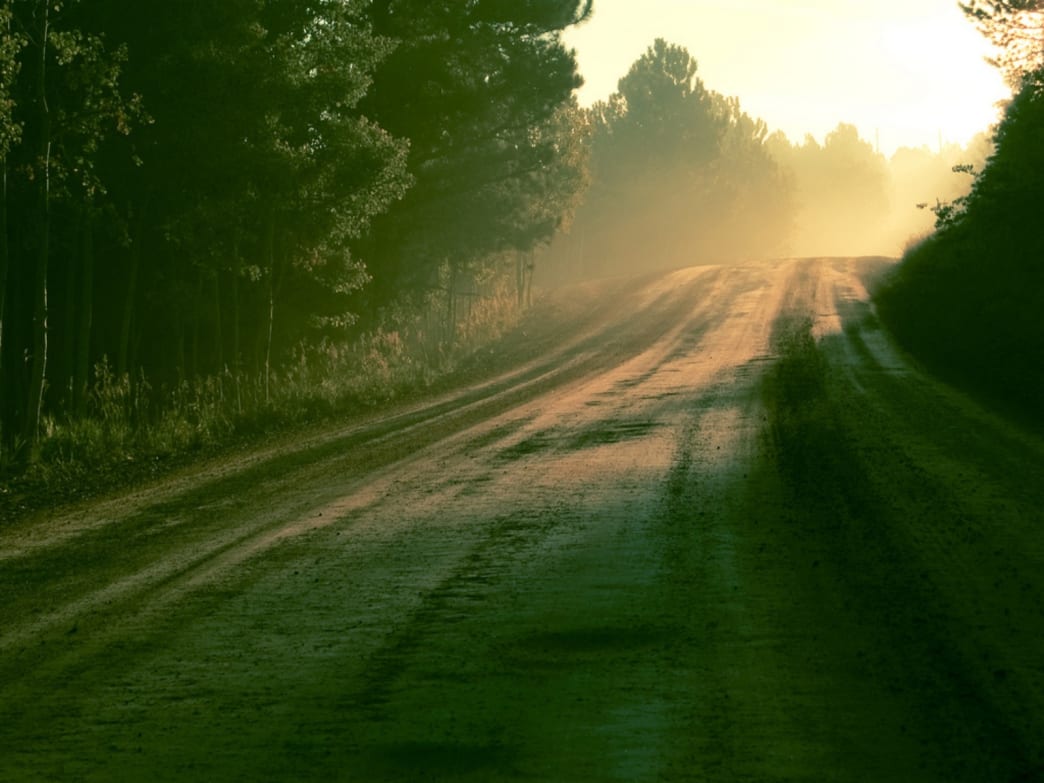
{"x": 681, "y": 175}
{"x": 851, "y": 200}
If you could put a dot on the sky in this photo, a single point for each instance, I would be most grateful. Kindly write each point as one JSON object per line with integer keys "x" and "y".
{"x": 905, "y": 72}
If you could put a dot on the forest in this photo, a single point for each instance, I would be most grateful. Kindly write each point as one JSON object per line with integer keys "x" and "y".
{"x": 214, "y": 218}
{"x": 208, "y": 209}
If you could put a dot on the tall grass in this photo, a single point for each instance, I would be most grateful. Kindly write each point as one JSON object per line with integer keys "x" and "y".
{"x": 129, "y": 427}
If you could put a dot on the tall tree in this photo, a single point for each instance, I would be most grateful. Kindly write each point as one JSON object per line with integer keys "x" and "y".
{"x": 679, "y": 175}
{"x": 65, "y": 101}
{"x": 476, "y": 87}
{"x": 11, "y": 43}
{"x": 968, "y": 300}
{"x": 843, "y": 188}
{"x": 255, "y": 172}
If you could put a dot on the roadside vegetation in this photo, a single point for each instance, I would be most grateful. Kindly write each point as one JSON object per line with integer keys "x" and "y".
{"x": 217, "y": 222}
{"x": 968, "y": 300}
{"x": 794, "y": 394}
{"x": 131, "y": 432}
{"x": 218, "y": 218}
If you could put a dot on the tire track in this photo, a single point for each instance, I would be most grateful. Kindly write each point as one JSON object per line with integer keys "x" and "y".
{"x": 113, "y": 563}
{"x": 721, "y": 532}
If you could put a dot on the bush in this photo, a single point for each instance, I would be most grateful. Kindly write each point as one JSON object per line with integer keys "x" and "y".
{"x": 130, "y": 426}
{"x": 968, "y": 300}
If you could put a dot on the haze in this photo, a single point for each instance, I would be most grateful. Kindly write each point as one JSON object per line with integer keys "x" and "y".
{"x": 904, "y": 73}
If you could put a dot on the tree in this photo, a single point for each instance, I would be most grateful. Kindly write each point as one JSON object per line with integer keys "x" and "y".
{"x": 198, "y": 189}
{"x": 842, "y": 188}
{"x": 1006, "y": 196}
{"x": 65, "y": 100}
{"x": 11, "y": 44}
{"x": 679, "y": 175}
{"x": 968, "y": 300}
{"x": 477, "y": 88}
{"x": 1016, "y": 28}
{"x": 256, "y": 172}
{"x": 224, "y": 210}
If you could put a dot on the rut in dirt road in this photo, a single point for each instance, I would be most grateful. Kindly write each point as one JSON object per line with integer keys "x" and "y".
{"x": 723, "y": 531}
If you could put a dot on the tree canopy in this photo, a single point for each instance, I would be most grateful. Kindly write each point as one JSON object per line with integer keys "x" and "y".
{"x": 679, "y": 175}
{"x": 479, "y": 90}
{"x": 1016, "y": 29}
{"x": 196, "y": 189}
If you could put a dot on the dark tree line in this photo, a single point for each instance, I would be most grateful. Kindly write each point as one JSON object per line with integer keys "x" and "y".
{"x": 194, "y": 188}
{"x": 968, "y": 300}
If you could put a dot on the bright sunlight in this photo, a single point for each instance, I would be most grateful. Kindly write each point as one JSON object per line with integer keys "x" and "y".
{"x": 906, "y": 74}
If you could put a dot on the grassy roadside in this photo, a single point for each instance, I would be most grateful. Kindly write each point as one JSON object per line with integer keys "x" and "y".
{"x": 859, "y": 525}
{"x": 970, "y": 312}
{"x": 131, "y": 433}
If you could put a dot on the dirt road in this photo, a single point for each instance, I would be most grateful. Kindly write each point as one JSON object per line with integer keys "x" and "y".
{"x": 718, "y": 530}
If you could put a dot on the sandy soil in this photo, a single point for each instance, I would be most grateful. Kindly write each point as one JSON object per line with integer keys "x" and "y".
{"x": 663, "y": 546}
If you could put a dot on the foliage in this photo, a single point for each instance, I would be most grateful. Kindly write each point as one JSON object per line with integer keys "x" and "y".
{"x": 851, "y": 200}
{"x": 130, "y": 429}
{"x": 968, "y": 300}
{"x": 198, "y": 194}
{"x": 11, "y": 44}
{"x": 679, "y": 174}
{"x": 481, "y": 89}
{"x": 842, "y": 187}
{"x": 1016, "y": 29}
{"x": 63, "y": 103}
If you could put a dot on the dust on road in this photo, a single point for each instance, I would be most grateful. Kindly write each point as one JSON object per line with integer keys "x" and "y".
{"x": 713, "y": 527}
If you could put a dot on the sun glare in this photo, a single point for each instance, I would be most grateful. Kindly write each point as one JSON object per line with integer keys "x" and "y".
{"x": 904, "y": 74}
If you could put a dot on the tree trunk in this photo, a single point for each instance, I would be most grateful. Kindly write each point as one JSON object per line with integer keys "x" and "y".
{"x": 86, "y": 319}
{"x": 237, "y": 370}
{"x": 520, "y": 278}
{"x": 530, "y": 269}
{"x": 219, "y": 345}
{"x": 583, "y": 261}
{"x": 123, "y": 349}
{"x": 38, "y": 354}
{"x": 451, "y": 306}
{"x": 68, "y": 331}
{"x": 7, "y": 405}
{"x": 197, "y": 306}
{"x": 179, "y": 347}
{"x": 4, "y": 265}
{"x": 270, "y": 241}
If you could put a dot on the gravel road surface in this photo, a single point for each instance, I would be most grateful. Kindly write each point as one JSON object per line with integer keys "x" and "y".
{"x": 708, "y": 526}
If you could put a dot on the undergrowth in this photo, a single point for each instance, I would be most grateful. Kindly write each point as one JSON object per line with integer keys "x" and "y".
{"x": 969, "y": 308}
{"x": 129, "y": 430}
{"x": 967, "y": 301}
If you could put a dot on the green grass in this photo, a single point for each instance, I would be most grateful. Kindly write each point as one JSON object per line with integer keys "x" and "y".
{"x": 131, "y": 431}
